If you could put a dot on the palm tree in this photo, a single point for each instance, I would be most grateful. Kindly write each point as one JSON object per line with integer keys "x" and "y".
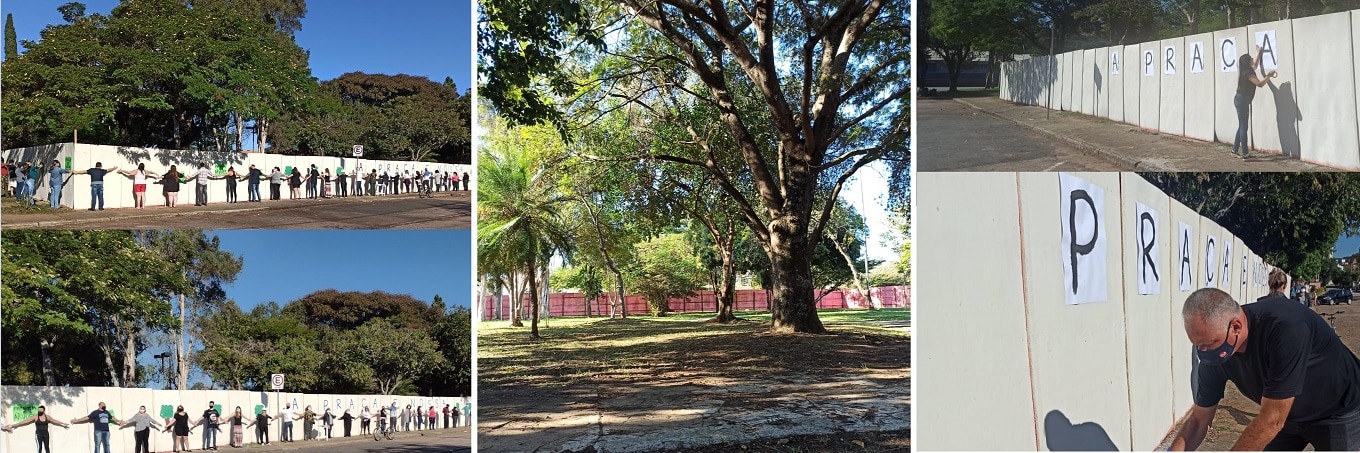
{"x": 519, "y": 223}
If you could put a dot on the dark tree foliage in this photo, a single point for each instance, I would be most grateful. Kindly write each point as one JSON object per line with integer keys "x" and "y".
{"x": 1292, "y": 219}
{"x": 347, "y": 310}
{"x": 11, "y": 39}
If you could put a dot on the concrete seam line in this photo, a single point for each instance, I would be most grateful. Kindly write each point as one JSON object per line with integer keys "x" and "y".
{"x": 1024, "y": 301}
{"x": 1123, "y": 287}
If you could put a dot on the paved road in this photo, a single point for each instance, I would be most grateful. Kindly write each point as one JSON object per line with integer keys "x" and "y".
{"x": 445, "y": 211}
{"x": 457, "y": 440}
{"x": 955, "y": 137}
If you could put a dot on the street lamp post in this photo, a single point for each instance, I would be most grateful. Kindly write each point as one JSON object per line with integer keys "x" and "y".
{"x": 162, "y": 356}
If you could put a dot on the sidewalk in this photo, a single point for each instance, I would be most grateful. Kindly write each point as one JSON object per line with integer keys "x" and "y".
{"x": 224, "y": 440}
{"x": 1131, "y": 146}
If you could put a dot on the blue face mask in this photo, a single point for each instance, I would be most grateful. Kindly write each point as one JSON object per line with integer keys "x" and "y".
{"x": 1219, "y": 355}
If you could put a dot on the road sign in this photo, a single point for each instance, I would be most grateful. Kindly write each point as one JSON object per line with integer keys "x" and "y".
{"x": 276, "y": 381}
{"x": 358, "y": 150}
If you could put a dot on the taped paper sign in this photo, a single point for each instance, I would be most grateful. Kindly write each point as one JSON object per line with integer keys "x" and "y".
{"x": 1197, "y": 57}
{"x": 1083, "y": 240}
{"x": 1266, "y": 39}
{"x": 1169, "y": 60}
{"x": 1227, "y": 55}
{"x": 1149, "y": 277}
{"x": 1210, "y": 261}
{"x": 1225, "y": 277}
{"x": 1148, "y": 66}
{"x": 1187, "y": 269}
{"x": 1114, "y": 70}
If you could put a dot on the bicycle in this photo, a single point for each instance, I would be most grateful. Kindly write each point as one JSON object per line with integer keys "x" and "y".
{"x": 384, "y": 430}
{"x": 426, "y": 191}
{"x": 1331, "y": 318}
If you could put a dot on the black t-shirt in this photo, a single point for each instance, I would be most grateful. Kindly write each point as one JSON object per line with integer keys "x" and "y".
{"x": 1291, "y": 352}
{"x": 97, "y": 174}
{"x": 1244, "y": 85}
{"x": 255, "y": 175}
{"x": 100, "y": 418}
{"x": 210, "y": 417}
{"x": 262, "y": 419}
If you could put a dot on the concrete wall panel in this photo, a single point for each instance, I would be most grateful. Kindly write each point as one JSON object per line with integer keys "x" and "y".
{"x": 1171, "y": 63}
{"x": 1225, "y": 83}
{"x": 1275, "y": 112}
{"x": 1149, "y": 332}
{"x": 1200, "y": 99}
{"x": 1074, "y": 373}
{"x": 1150, "y": 77}
{"x": 1133, "y": 78}
{"x": 1115, "y": 98}
{"x": 1090, "y": 70}
{"x": 1065, "y": 80}
{"x": 1100, "y": 72}
{"x": 990, "y": 229}
{"x": 1181, "y": 353}
{"x": 1324, "y": 54}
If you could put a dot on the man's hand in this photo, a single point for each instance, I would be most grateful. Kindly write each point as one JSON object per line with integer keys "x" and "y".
{"x": 1195, "y": 428}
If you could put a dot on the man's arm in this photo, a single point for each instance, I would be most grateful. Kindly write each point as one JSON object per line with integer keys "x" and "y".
{"x": 80, "y": 420}
{"x": 1196, "y": 426}
{"x": 1266, "y": 426}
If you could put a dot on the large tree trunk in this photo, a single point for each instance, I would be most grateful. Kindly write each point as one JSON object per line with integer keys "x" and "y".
{"x": 727, "y": 286}
{"x": 262, "y": 129}
{"x": 533, "y": 299}
{"x": 130, "y": 357}
{"x": 516, "y": 302}
{"x": 181, "y": 364}
{"x": 240, "y": 131}
{"x": 106, "y": 348}
{"x": 794, "y": 308}
{"x": 49, "y": 378}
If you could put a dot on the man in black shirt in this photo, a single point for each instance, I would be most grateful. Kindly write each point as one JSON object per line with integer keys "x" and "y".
{"x": 253, "y": 189}
{"x": 210, "y": 417}
{"x": 1280, "y": 355}
{"x": 96, "y": 183}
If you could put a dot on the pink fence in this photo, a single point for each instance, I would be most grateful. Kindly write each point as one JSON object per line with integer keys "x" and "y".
{"x": 574, "y": 304}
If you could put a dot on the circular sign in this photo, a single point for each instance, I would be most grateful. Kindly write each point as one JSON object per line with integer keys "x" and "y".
{"x": 276, "y": 381}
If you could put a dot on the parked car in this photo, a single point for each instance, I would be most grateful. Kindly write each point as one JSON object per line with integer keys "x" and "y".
{"x": 1336, "y": 296}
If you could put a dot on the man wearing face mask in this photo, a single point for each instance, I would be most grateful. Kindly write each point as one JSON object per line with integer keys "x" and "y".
{"x": 143, "y": 423}
{"x": 1282, "y": 356}
{"x": 101, "y": 419}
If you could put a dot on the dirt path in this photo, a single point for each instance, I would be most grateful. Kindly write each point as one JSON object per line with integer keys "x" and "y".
{"x": 637, "y": 385}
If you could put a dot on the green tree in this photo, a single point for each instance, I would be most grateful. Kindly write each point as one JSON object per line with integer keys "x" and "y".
{"x": 519, "y": 222}
{"x": 11, "y": 38}
{"x": 665, "y": 268}
{"x": 396, "y": 355}
{"x": 89, "y": 288}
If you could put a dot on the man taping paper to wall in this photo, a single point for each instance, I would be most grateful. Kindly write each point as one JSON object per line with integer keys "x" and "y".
{"x": 1281, "y": 355}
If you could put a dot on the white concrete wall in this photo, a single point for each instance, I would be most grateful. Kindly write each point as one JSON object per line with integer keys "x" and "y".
{"x": 1048, "y": 375}
{"x": 118, "y": 188}
{"x": 67, "y": 403}
{"x": 1115, "y": 84}
{"x": 1200, "y": 72}
{"x": 995, "y": 370}
{"x": 1310, "y": 111}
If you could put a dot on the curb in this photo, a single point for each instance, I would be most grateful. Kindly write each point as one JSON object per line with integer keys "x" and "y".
{"x": 191, "y": 211}
{"x": 1090, "y": 148}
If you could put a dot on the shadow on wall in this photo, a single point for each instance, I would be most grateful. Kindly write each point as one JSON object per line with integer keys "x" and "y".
{"x": 181, "y": 158}
{"x": 1100, "y": 81}
{"x": 1030, "y": 78}
{"x": 39, "y": 395}
{"x": 1062, "y": 435}
{"x": 1287, "y": 118}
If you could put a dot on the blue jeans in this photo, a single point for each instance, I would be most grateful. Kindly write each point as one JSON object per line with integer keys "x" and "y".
{"x": 254, "y": 191}
{"x": 209, "y": 437}
{"x": 55, "y": 197}
{"x": 31, "y": 192}
{"x": 1243, "y": 115}
{"x": 97, "y": 193}
{"x": 101, "y": 437}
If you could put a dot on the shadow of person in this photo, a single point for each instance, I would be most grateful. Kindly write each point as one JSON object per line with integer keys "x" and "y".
{"x": 1287, "y": 118}
{"x": 1062, "y": 435}
{"x": 1100, "y": 82}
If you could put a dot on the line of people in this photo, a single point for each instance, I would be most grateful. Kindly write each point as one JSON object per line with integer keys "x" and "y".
{"x": 182, "y": 424}
{"x": 319, "y": 183}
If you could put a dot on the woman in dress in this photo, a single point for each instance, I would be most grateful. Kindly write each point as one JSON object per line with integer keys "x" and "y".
{"x": 238, "y": 429}
{"x": 295, "y": 183}
{"x": 39, "y": 422}
{"x": 181, "y": 419}
{"x": 170, "y": 186}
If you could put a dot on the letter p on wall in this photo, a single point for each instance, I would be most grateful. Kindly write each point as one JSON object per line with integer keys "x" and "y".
{"x": 1083, "y": 240}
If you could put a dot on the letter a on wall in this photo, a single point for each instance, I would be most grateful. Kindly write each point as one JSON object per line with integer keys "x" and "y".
{"x": 1210, "y": 261}
{"x": 1149, "y": 68}
{"x": 1184, "y": 261}
{"x": 1225, "y": 277}
{"x": 1083, "y": 240}
{"x": 1227, "y": 55}
{"x": 1114, "y": 63}
{"x": 1196, "y": 57}
{"x": 1149, "y": 277}
{"x": 1266, "y": 39}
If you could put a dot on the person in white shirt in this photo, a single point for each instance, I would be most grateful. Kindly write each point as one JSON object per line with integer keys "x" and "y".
{"x": 363, "y": 421}
{"x": 287, "y": 415}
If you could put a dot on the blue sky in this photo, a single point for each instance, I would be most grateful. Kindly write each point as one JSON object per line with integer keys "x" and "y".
{"x": 431, "y": 38}
{"x": 284, "y": 265}
{"x": 1346, "y": 246}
